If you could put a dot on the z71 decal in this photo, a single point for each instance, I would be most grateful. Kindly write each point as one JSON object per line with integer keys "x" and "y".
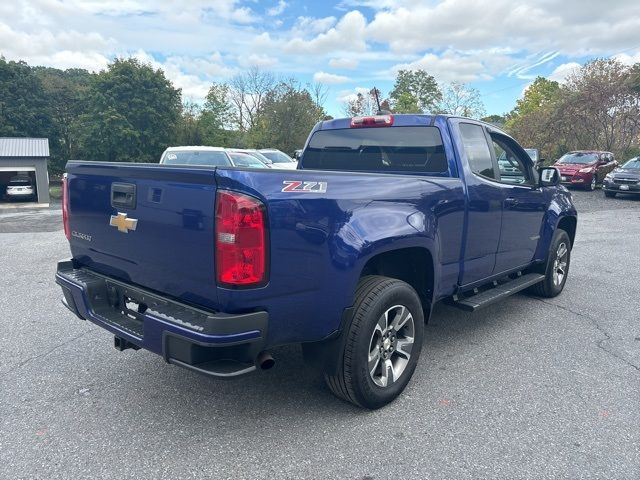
{"x": 304, "y": 187}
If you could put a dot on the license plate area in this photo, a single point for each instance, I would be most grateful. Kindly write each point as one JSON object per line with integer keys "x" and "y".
{"x": 124, "y": 309}
{"x": 624, "y": 187}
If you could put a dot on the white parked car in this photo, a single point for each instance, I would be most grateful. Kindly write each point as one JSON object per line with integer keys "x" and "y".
{"x": 253, "y": 153}
{"x": 280, "y": 159}
{"x": 199, "y": 155}
{"x": 20, "y": 187}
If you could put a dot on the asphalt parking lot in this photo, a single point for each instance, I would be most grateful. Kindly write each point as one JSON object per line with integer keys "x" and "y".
{"x": 528, "y": 388}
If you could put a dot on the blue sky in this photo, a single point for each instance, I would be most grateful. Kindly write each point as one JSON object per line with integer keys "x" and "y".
{"x": 497, "y": 46}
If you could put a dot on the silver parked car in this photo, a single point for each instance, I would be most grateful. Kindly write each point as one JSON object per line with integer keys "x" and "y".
{"x": 280, "y": 159}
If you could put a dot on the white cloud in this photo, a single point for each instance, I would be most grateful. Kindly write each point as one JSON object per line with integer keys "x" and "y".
{"x": 311, "y": 26}
{"x": 329, "y": 78}
{"x": 345, "y": 96}
{"x": 627, "y": 59}
{"x": 258, "y": 60}
{"x": 278, "y": 9}
{"x": 345, "y": 63}
{"x": 571, "y": 27}
{"x": 348, "y": 34}
{"x": 561, "y": 72}
{"x": 448, "y": 67}
{"x": 65, "y": 49}
{"x": 523, "y": 69}
{"x": 193, "y": 76}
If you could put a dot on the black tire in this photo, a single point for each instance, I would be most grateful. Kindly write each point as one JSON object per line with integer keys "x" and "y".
{"x": 610, "y": 194}
{"x": 375, "y": 298}
{"x": 549, "y": 287}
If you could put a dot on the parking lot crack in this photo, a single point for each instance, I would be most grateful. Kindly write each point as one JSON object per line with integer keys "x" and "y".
{"x": 600, "y": 328}
{"x": 44, "y": 354}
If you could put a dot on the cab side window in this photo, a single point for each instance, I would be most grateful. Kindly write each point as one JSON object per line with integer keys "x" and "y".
{"x": 512, "y": 167}
{"x": 477, "y": 150}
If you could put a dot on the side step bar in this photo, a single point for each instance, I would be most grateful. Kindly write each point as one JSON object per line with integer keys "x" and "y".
{"x": 496, "y": 293}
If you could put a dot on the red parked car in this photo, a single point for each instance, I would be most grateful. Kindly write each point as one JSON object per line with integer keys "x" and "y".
{"x": 585, "y": 168}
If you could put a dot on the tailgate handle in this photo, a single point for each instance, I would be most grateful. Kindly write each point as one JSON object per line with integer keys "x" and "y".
{"x": 123, "y": 195}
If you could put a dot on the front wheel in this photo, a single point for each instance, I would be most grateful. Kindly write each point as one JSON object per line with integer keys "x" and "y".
{"x": 382, "y": 344}
{"x": 557, "y": 266}
{"x": 610, "y": 194}
{"x": 592, "y": 186}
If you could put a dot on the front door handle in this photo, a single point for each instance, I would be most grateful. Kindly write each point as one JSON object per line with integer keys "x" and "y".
{"x": 510, "y": 202}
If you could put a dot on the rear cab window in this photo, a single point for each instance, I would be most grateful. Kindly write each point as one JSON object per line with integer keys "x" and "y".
{"x": 394, "y": 150}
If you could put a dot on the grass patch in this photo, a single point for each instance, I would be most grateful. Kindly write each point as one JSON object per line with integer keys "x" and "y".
{"x": 55, "y": 191}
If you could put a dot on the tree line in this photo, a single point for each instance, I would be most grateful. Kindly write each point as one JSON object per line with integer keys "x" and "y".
{"x": 132, "y": 112}
{"x": 416, "y": 91}
{"x": 596, "y": 108}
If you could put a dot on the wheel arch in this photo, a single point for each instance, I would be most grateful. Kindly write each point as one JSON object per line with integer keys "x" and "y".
{"x": 569, "y": 225}
{"x": 413, "y": 265}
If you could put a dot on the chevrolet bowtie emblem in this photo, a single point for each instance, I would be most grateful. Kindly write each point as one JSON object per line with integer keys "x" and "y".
{"x": 123, "y": 223}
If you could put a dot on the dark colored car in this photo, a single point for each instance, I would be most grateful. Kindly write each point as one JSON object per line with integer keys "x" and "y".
{"x": 625, "y": 179}
{"x": 585, "y": 168}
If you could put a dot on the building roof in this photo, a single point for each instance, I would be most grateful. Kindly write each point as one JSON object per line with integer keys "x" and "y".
{"x": 24, "y": 147}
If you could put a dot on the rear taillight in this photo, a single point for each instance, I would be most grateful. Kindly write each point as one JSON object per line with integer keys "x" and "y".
{"x": 241, "y": 240}
{"x": 372, "y": 121}
{"x": 65, "y": 206}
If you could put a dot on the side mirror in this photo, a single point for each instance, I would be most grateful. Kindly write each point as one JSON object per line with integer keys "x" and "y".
{"x": 549, "y": 177}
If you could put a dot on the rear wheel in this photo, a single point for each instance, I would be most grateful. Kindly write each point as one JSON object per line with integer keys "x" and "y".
{"x": 610, "y": 194}
{"x": 557, "y": 267}
{"x": 382, "y": 344}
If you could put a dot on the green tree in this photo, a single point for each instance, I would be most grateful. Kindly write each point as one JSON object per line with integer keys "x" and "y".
{"x": 540, "y": 93}
{"x": 461, "y": 99}
{"x": 24, "y": 108}
{"x": 188, "y": 131}
{"x": 216, "y": 116}
{"x": 415, "y": 91}
{"x": 366, "y": 103}
{"x": 288, "y": 113}
{"x": 497, "y": 120}
{"x": 132, "y": 113}
{"x": 601, "y": 107}
{"x": 66, "y": 92}
{"x": 406, "y": 103}
{"x": 634, "y": 78}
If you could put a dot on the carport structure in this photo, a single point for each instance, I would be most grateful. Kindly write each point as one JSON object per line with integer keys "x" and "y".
{"x": 25, "y": 156}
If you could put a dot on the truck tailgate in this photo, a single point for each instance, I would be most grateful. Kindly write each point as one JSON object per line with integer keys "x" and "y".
{"x": 171, "y": 208}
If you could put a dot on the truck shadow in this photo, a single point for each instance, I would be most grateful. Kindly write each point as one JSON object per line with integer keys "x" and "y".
{"x": 292, "y": 391}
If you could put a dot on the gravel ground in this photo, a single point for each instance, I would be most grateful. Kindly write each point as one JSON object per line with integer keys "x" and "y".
{"x": 528, "y": 388}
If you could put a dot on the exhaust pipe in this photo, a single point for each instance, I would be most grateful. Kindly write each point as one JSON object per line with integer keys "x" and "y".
{"x": 265, "y": 361}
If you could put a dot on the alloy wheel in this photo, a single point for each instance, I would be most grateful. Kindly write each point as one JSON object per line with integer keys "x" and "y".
{"x": 391, "y": 345}
{"x": 560, "y": 264}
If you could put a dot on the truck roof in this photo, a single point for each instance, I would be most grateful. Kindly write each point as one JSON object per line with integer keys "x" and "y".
{"x": 399, "y": 119}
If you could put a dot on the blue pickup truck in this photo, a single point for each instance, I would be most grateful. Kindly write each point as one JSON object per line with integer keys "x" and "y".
{"x": 211, "y": 267}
